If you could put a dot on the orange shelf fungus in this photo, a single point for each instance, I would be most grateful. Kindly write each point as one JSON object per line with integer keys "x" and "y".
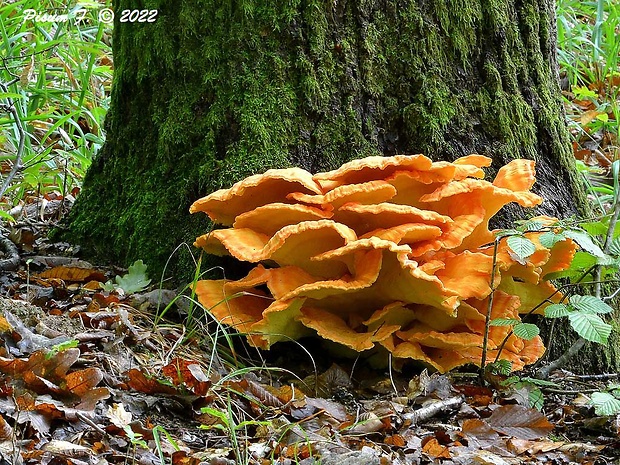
{"x": 385, "y": 254}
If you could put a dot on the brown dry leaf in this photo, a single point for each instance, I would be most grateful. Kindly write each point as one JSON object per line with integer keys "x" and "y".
{"x": 331, "y": 408}
{"x": 522, "y": 446}
{"x": 479, "y": 429}
{"x": 12, "y": 367}
{"x": 22, "y": 410}
{"x": 260, "y": 392}
{"x": 395, "y": 440}
{"x": 436, "y": 450}
{"x": 52, "y": 367}
{"x": 5, "y": 327}
{"x": 589, "y": 116}
{"x": 80, "y": 382}
{"x": 188, "y": 373}
{"x": 520, "y": 422}
{"x": 180, "y": 457}
{"x": 367, "y": 423}
{"x": 98, "y": 319}
{"x": 73, "y": 274}
{"x": 149, "y": 385}
{"x": 6, "y": 432}
{"x": 288, "y": 393}
{"x": 476, "y": 395}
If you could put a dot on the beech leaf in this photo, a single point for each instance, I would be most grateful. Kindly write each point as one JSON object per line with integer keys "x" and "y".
{"x": 519, "y": 422}
{"x": 521, "y": 246}
{"x": 557, "y": 311}
{"x": 585, "y": 242}
{"x": 605, "y": 404}
{"x": 526, "y": 331}
{"x": 589, "y": 304}
{"x": 590, "y": 326}
{"x": 549, "y": 239}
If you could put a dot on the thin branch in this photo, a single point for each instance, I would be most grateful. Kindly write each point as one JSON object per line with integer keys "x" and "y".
{"x": 17, "y": 165}
{"x": 487, "y": 321}
{"x": 433, "y": 409}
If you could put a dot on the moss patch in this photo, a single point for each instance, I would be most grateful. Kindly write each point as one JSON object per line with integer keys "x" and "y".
{"x": 216, "y": 90}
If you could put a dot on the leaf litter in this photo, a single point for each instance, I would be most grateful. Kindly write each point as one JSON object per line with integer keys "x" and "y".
{"x": 86, "y": 377}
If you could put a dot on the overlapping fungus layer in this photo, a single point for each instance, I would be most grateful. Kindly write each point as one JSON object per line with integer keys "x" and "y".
{"x": 388, "y": 251}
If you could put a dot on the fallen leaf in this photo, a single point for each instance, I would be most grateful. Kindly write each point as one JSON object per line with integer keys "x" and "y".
{"x": 436, "y": 450}
{"x": 520, "y": 422}
{"x": 189, "y": 374}
{"x": 73, "y": 274}
{"x": 118, "y": 416}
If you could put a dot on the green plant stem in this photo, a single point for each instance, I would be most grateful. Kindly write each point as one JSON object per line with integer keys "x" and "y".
{"x": 487, "y": 321}
{"x": 548, "y": 299}
{"x": 545, "y": 371}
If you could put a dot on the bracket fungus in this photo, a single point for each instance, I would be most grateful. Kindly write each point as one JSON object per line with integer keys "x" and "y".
{"x": 384, "y": 254}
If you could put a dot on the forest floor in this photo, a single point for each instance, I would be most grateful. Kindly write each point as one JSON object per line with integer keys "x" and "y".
{"x": 90, "y": 374}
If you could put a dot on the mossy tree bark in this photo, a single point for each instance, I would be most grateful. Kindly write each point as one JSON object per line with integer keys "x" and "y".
{"x": 214, "y": 91}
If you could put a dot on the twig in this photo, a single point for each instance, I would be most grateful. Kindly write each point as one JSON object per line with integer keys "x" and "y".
{"x": 90, "y": 423}
{"x": 17, "y": 165}
{"x": 592, "y": 377}
{"x": 567, "y": 391}
{"x": 431, "y": 410}
{"x": 487, "y": 321}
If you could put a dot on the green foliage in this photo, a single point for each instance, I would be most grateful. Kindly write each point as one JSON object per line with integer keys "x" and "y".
{"x": 58, "y": 76}
{"x": 588, "y": 52}
{"x": 525, "y": 331}
{"x": 536, "y": 399}
{"x": 134, "y": 281}
{"x": 589, "y": 326}
{"x": 606, "y": 403}
{"x": 582, "y": 312}
{"x": 500, "y": 367}
{"x": 521, "y": 246}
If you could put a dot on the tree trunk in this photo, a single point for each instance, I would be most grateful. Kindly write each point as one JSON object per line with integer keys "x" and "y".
{"x": 214, "y": 91}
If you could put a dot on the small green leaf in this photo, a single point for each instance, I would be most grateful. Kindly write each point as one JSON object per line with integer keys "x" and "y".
{"x": 596, "y": 228}
{"x": 557, "y": 311}
{"x": 582, "y": 261}
{"x": 604, "y": 117}
{"x": 585, "y": 242}
{"x": 531, "y": 225}
{"x": 504, "y": 322}
{"x": 536, "y": 399}
{"x": 521, "y": 246}
{"x": 605, "y": 404}
{"x": 589, "y": 304}
{"x": 590, "y": 327}
{"x": 5, "y": 215}
{"x": 607, "y": 260}
{"x": 614, "y": 247}
{"x": 501, "y": 367}
{"x": 549, "y": 239}
{"x": 526, "y": 331}
{"x": 583, "y": 92}
{"x": 135, "y": 280}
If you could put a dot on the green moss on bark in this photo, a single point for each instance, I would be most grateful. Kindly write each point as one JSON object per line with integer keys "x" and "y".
{"x": 216, "y": 90}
